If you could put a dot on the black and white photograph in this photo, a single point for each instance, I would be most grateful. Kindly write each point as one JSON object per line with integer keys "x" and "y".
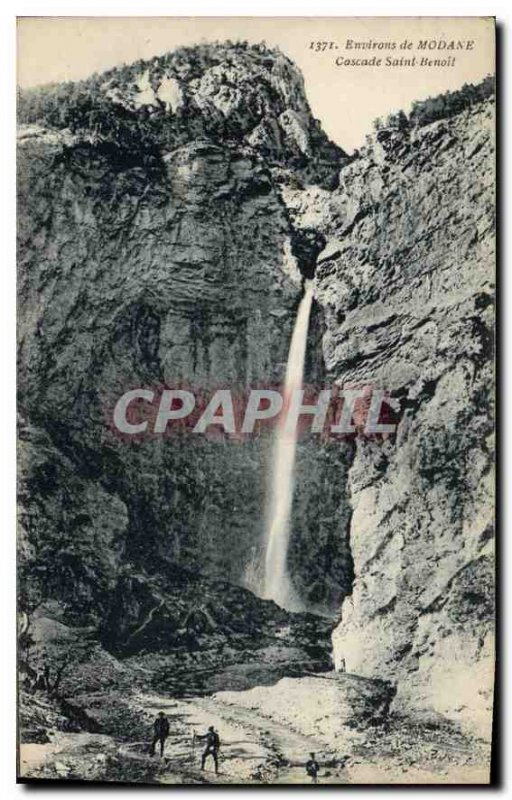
{"x": 256, "y": 400}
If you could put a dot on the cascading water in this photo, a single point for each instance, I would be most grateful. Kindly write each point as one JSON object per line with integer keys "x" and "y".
{"x": 277, "y": 584}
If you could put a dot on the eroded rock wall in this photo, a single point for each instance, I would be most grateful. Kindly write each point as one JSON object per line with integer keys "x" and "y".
{"x": 407, "y": 282}
{"x": 179, "y": 269}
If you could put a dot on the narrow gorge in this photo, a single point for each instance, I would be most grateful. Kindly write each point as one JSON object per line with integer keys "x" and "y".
{"x": 176, "y": 217}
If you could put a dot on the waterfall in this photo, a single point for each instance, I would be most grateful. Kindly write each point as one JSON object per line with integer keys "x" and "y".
{"x": 277, "y": 584}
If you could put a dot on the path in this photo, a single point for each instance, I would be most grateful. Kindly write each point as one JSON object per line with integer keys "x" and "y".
{"x": 254, "y": 749}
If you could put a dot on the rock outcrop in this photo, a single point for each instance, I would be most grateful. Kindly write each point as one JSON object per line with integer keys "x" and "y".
{"x": 407, "y": 282}
{"x": 155, "y": 249}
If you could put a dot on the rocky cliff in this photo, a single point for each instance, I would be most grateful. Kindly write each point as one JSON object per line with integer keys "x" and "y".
{"x": 168, "y": 213}
{"x": 155, "y": 248}
{"x": 407, "y": 280}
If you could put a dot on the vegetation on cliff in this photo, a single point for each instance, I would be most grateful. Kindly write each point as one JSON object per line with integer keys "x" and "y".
{"x": 227, "y": 93}
{"x": 442, "y": 106}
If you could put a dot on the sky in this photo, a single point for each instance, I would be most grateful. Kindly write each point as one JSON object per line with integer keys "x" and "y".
{"x": 345, "y": 98}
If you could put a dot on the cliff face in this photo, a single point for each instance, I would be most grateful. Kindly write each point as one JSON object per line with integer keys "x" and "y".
{"x": 167, "y": 211}
{"x": 407, "y": 281}
{"x": 173, "y": 264}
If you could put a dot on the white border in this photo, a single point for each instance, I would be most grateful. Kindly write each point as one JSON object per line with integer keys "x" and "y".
{"x": 8, "y": 12}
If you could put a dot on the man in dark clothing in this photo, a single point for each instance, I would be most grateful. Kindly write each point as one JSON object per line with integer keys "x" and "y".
{"x": 212, "y": 747}
{"x": 160, "y": 732}
{"x": 313, "y": 768}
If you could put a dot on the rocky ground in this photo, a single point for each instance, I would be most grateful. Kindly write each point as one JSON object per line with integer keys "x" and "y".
{"x": 266, "y": 739}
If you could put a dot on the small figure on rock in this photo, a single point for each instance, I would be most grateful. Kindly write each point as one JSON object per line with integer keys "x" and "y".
{"x": 212, "y": 747}
{"x": 313, "y": 768}
{"x": 160, "y": 732}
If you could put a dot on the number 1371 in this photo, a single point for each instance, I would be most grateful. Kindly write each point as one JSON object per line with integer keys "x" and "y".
{"x": 319, "y": 47}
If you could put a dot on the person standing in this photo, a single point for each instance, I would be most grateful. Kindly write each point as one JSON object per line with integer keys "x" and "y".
{"x": 212, "y": 747}
{"x": 313, "y": 768}
{"x": 160, "y": 732}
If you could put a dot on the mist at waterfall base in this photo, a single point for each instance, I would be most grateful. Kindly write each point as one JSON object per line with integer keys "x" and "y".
{"x": 277, "y": 585}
